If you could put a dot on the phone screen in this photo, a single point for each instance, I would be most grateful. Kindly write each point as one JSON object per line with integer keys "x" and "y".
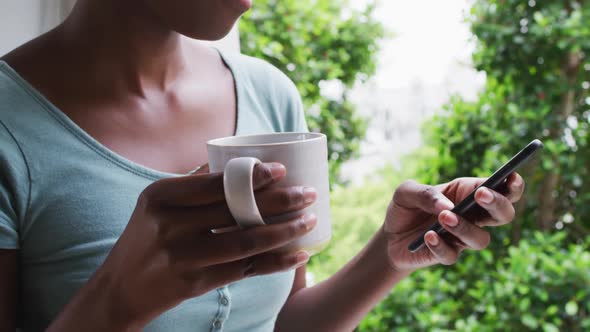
{"x": 493, "y": 183}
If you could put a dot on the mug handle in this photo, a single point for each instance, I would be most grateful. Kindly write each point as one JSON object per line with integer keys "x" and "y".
{"x": 239, "y": 191}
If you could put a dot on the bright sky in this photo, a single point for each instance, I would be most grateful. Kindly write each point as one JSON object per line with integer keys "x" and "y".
{"x": 430, "y": 44}
{"x": 429, "y": 36}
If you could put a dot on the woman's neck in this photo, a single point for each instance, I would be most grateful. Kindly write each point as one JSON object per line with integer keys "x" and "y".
{"x": 124, "y": 47}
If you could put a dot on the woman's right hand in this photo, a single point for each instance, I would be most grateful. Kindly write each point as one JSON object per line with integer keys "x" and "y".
{"x": 168, "y": 253}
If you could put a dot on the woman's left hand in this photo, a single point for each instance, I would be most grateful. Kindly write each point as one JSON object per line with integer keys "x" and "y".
{"x": 415, "y": 207}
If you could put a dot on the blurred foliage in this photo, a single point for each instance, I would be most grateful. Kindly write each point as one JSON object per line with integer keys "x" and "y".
{"x": 313, "y": 42}
{"x": 541, "y": 284}
{"x": 357, "y": 213}
{"x": 535, "y": 55}
{"x": 536, "y": 275}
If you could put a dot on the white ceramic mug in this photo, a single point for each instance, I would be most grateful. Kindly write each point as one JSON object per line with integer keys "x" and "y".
{"x": 305, "y": 155}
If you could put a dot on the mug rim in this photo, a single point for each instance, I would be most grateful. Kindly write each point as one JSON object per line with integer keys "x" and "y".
{"x": 227, "y": 141}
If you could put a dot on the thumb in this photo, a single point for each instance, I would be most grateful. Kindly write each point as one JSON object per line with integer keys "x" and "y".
{"x": 203, "y": 169}
{"x": 412, "y": 195}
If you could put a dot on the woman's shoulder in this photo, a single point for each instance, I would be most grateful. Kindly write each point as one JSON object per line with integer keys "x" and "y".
{"x": 19, "y": 101}
{"x": 13, "y": 94}
{"x": 15, "y": 182}
{"x": 261, "y": 75}
{"x": 268, "y": 86}
{"x": 14, "y": 123}
{"x": 25, "y": 119}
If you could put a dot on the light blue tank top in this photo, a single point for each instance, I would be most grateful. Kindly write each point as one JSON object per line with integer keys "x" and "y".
{"x": 65, "y": 199}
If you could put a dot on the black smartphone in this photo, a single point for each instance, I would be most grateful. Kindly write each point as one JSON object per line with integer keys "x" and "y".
{"x": 494, "y": 182}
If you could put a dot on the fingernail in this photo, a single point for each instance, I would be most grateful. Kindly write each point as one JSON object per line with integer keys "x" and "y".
{"x": 443, "y": 203}
{"x": 277, "y": 170}
{"x": 432, "y": 239}
{"x": 449, "y": 219}
{"x": 518, "y": 182}
{"x": 309, "y": 221}
{"x": 309, "y": 195}
{"x": 485, "y": 196}
{"x": 301, "y": 258}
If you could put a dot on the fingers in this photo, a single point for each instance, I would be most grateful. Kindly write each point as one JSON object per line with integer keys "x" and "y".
{"x": 441, "y": 251}
{"x": 233, "y": 246}
{"x": 468, "y": 235}
{"x": 177, "y": 223}
{"x": 181, "y": 221}
{"x": 277, "y": 201}
{"x": 515, "y": 185}
{"x": 192, "y": 190}
{"x": 270, "y": 262}
{"x": 222, "y": 274}
{"x": 412, "y": 195}
{"x": 204, "y": 189}
{"x": 499, "y": 207}
{"x": 471, "y": 235}
{"x": 267, "y": 173}
{"x": 267, "y": 263}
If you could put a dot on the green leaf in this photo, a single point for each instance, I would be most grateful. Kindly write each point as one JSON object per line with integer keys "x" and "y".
{"x": 487, "y": 256}
{"x": 313, "y": 41}
{"x": 571, "y": 308}
{"x": 524, "y": 304}
{"x": 552, "y": 310}
{"x": 529, "y": 321}
{"x": 548, "y": 327}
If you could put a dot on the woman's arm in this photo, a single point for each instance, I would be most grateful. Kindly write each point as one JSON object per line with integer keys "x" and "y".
{"x": 167, "y": 253}
{"x": 8, "y": 289}
{"x": 340, "y": 302}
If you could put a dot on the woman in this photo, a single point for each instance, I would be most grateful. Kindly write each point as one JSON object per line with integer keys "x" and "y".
{"x": 97, "y": 234}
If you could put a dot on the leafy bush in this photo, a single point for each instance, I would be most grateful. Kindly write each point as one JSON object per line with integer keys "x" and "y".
{"x": 357, "y": 213}
{"x": 535, "y": 55}
{"x": 542, "y": 284}
{"x": 475, "y": 138}
{"x": 313, "y": 42}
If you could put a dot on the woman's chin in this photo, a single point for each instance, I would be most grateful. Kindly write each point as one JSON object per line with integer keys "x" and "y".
{"x": 240, "y": 5}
